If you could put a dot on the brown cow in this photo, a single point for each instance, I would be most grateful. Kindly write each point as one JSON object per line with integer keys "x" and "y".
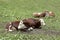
{"x": 29, "y": 24}
{"x": 44, "y": 14}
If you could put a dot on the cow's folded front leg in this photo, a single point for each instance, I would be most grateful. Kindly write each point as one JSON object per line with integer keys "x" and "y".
{"x": 10, "y": 28}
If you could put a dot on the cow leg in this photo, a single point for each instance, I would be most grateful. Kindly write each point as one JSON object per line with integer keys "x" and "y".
{"x": 10, "y": 28}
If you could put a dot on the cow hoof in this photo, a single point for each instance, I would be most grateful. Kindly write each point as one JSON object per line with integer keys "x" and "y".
{"x": 10, "y": 30}
{"x": 30, "y": 29}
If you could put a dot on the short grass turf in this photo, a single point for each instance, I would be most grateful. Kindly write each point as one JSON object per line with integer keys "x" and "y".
{"x": 11, "y": 10}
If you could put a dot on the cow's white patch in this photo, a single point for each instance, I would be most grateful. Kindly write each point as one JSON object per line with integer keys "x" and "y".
{"x": 30, "y": 28}
{"x": 42, "y": 21}
{"x": 21, "y": 25}
{"x": 39, "y": 13}
{"x": 50, "y": 12}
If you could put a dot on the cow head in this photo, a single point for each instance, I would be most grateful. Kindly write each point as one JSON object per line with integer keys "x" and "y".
{"x": 51, "y": 14}
{"x": 21, "y": 25}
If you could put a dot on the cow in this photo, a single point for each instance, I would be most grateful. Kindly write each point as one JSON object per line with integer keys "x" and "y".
{"x": 28, "y": 24}
{"x": 44, "y": 14}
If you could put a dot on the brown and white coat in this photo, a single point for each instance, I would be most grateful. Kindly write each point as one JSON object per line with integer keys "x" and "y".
{"x": 44, "y": 14}
{"x": 29, "y": 24}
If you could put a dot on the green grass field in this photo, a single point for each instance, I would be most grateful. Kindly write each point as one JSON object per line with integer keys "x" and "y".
{"x": 10, "y": 9}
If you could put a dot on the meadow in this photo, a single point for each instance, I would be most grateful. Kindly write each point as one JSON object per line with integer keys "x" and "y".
{"x": 11, "y": 10}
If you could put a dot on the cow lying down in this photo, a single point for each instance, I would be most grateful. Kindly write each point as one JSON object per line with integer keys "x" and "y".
{"x": 28, "y": 24}
{"x": 44, "y": 14}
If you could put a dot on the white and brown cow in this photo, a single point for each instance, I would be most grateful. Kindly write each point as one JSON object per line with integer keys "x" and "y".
{"x": 29, "y": 24}
{"x": 44, "y": 14}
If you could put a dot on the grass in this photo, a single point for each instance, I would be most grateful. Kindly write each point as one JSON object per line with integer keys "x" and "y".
{"x": 28, "y": 37}
{"x": 10, "y": 9}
